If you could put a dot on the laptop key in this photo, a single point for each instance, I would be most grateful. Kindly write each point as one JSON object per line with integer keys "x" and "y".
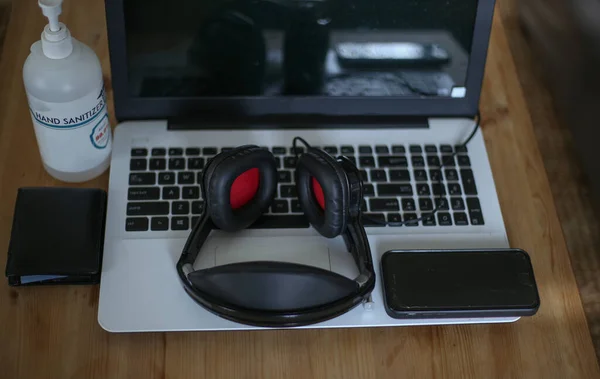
{"x": 423, "y": 189}
{"x": 159, "y": 152}
{"x": 281, "y": 222}
{"x": 468, "y": 181}
{"x": 408, "y": 205}
{"x": 399, "y": 176}
{"x": 166, "y": 178}
{"x": 175, "y": 151}
{"x": 142, "y": 178}
{"x": 197, "y": 207}
{"x": 433, "y": 161}
{"x": 289, "y": 162}
{"x": 425, "y": 204}
{"x": 209, "y": 151}
{"x": 392, "y": 161}
{"x": 420, "y": 175}
{"x": 195, "y": 220}
{"x": 451, "y": 175}
{"x": 296, "y": 208}
{"x": 394, "y": 190}
{"x": 185, "y": 177}
{"x": 138, "y": 164}
{"x": 226, "y": 149}
{"x": 195, "y": 163}
{"x": 365, "y": 150}
{"x": 461, "y": 148}
{"x": 347, "y": 149}
{"x": 280, "y": 206}
{"x": 418, "y": 161}
{"x": 170, "y": 193}
{"x": 368, "y": 190}
{"x": 384, "y": 204}
{"x": 277, "y": 162}
{"x": 460, "y": 218}
{"x": 394, "y": 219}
{"x": 148, "y": 208}
{"x": 398, "y": 149}
{"x": 180, "y": 223}
{"x": 444, "y": 219}
{"x": 446, "y": 149}
{"x": 408, "y": 219}
{"x": 382, "y": 149}
{"x": 441, "y": 204}
{"x": 438, "y": 189}
{"x": 367, "y": 161}
{"x": 378, "y": 176}
{"x": 435, "y": 175}
{"x": 457, "y": 204}
{"x": 430, "y": 149}
{"x": 454, "y": 189}
{"x": 143, "y": 193}
{"x": 288, "y": 191}
{"x": 176, "y": 163}
{"x": 475, "y": 213}
{"x": 448, "y": 161}
{"x": 279, "y": 150}
{"x": 416, "y": 149}
{"x": 284, "y": 176}
{"x": 180, "y": 208}
{"x": 374, "y": 219}
{"x": 158, "y": 164}
{"x": 429, "y": 220}
{"x": 136, "y": 224}
{"x": 139, "y": 152}
{"x": 191, "y": 192}
{"x": 331, "y": 149}
{"x": 159, "y": 223}
{"x": 192, "y": 151}
{"x": 463, "y": 160}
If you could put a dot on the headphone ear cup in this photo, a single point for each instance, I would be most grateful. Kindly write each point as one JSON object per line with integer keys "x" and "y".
{"x": 239, "y": 186}
{"x": 323, "y": 192}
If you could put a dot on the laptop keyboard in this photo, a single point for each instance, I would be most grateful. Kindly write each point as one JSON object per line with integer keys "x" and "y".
{"x": 400, "y": 184}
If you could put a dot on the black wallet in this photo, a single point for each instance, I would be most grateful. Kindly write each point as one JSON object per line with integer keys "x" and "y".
{"x": 57, "y": 236}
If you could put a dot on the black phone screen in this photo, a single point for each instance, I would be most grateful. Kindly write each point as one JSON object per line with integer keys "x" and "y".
{"x": 458, "y": 280}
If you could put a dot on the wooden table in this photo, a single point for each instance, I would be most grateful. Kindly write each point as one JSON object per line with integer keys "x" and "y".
{"x": 52, "y": 332}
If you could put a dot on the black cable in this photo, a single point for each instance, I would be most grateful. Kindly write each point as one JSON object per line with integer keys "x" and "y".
{"x": 296, "y": 139}
{"x": 439, "y": 182}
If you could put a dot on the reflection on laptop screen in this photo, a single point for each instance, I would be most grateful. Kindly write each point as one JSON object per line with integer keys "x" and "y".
{"x": 196, "y": 48}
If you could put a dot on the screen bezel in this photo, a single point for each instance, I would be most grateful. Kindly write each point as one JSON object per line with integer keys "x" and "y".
{"x": 248, "y": 108}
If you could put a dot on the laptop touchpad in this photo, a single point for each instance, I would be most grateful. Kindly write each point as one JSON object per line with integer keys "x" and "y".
{"x": 308, "y": 251}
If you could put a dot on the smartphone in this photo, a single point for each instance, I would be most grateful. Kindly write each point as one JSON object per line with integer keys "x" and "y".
{"x": 458, "y": 283}
{"x": 390, "y": 54}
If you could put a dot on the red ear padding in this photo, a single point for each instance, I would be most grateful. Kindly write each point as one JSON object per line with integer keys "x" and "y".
{"x": 318, "y": 192}
{"x": 244, "y": 188}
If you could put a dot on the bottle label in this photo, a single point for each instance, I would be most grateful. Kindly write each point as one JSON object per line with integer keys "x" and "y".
{"x": 73, "y": 136}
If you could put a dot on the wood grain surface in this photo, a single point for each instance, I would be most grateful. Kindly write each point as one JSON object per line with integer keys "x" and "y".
{"x": 52, "y": 332}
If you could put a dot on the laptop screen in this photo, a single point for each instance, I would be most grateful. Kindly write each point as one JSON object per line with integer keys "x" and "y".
{"x": 301, "y": 48}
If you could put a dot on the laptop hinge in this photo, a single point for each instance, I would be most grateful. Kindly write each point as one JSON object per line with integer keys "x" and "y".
{"x": 300, "y": 122}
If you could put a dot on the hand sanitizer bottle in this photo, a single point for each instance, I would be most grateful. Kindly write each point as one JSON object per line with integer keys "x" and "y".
{"x": 65, "y": 90}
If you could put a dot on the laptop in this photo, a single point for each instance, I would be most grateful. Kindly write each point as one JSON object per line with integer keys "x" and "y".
{"x": 392, "y": 85}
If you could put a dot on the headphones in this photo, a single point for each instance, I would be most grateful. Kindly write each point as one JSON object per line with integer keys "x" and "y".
{"x": 239, "y": 186}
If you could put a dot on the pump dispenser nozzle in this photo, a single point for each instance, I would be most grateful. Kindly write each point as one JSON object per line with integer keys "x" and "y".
{"x": 56, "y": 38}
{"x": 52, "y": 9}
